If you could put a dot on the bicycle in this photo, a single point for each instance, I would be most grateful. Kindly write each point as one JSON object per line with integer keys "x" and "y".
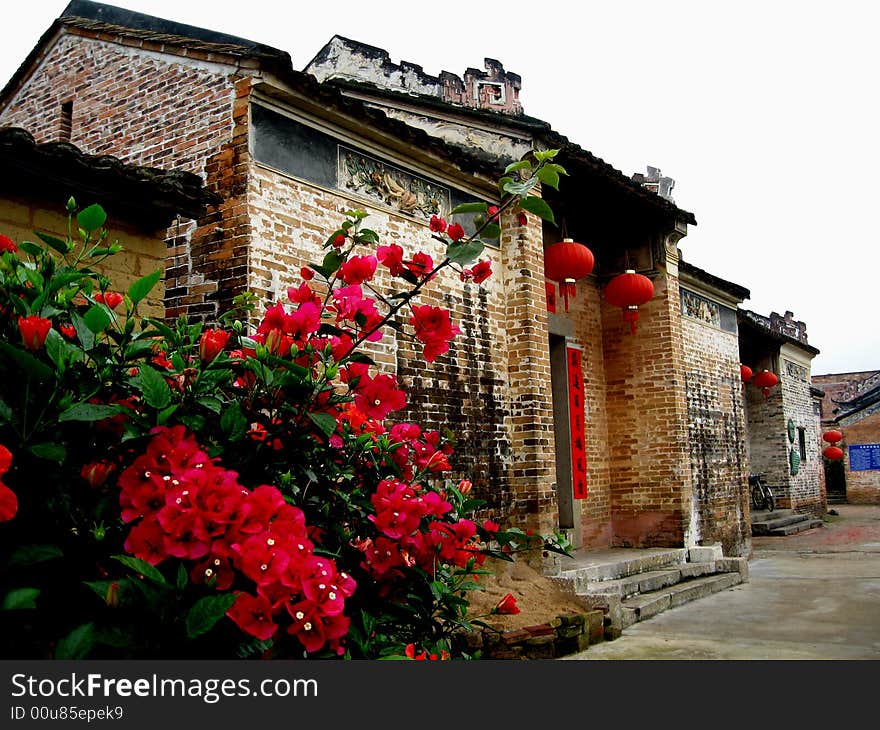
{"x": 762, "y": 495}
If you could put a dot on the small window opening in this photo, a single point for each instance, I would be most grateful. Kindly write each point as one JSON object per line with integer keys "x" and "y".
{"x": 802, "y": 443}
{"x": 66, "y": 126}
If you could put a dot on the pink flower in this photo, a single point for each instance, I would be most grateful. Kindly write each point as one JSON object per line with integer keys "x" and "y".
{"x": 253, "y": 615}
{"x": 455, "y": 232}
{"x": 379, "y": 396}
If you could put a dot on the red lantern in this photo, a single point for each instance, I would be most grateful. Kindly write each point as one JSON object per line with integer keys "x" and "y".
{"x": 565, "y": 262}
{"x": 629, "y": 291}
{"x": 765, "y": 380}
{"x": 835, "y": 453}
{"x": 745, "y": 373}
{"x": 833, "y": 436}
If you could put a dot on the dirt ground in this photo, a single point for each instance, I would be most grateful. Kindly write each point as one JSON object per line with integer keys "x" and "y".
{"x": 537, "y": 597}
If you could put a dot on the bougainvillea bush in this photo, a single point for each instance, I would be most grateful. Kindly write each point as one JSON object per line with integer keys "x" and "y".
{"x": 238, "y": 489}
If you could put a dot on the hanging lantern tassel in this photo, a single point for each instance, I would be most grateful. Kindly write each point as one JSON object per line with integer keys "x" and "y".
{"x": 569, "y": 290}
{"x": 566, "y": 262}
{"x": 765, "y": 380}
{"x": 628, "y": 291}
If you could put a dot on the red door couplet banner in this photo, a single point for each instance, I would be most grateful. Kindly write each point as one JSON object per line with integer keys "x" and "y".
{"x": 576, "y": 418}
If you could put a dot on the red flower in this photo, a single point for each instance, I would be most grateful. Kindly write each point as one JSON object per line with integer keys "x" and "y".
{"x": 392, "y": 257}
{"x": 339, "y": 240}
{"x": 33, "y": 331}
{"x": 358, "y": 269}
{"x": 455, "y": 232}
{"x": 434, "y": 329}
{"x": 7, "y": 244}
{"x": 421, "y": 264}
{"x": 379, "y": 396}
{"x": 111, "y": 298}
{"x": 492, "y": 213}
{"x": 253, "y": 614}
{"x": 506, "y": 606}
{"x": 8, "y": 503}
{"x": 478, "y": 274}
{"x": 212, "y": 343}
{"x": 68, "y": 330}
{"x": 96, "y": 473}
{"x": 8, "y": 500}
{"x": 522, "y": 218}
{"x": 306, "y": 273}
{"x": 438, "y": 225}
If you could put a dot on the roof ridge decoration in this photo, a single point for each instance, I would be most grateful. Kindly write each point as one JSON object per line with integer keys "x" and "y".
{"x": 494, "y": 89}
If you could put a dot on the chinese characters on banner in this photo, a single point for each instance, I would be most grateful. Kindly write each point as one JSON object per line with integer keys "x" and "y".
{"x": 550, "y": 291}
{"x": 576, "y": 416}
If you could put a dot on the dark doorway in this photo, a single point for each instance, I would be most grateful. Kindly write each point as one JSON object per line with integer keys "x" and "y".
{"x": 561, "y": 431}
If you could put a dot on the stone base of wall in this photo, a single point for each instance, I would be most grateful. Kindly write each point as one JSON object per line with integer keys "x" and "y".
{"x": 560, "y": 637}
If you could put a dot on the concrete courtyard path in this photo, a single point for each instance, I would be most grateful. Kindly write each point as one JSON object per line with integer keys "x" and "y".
{"x": 813, "y": 595}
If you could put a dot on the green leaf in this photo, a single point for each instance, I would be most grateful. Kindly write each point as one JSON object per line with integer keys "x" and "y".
{"x": 206, "y": 612}
{"x": 33, "y": 554}
{"x": 324, "y": 421}
{"x": 520, "y": 188}
{"x": 56, "y": 348}
{"x": 464, "y": 252}
{"x": 6, "y": 414}
{"x": 142, "y": 567}
{"x": 182, "y": 577}
{"x": 91, "y": 218}
{"x": 549, "y": 176}
{"x": 91, "y": 412}
{"x": 215, "y": 405}
{"x": 85, "y": 335}
{"x": 100, "y": 587}
{"x": 544, "y": 155}
{"x": 233, "y": 422}
{"x": 166, "y": 413}
{"x": 470, "y": 208}
{"x": 156, "y": 391}
{"x": 332, "y": 262}
{"x": 31, "y": 249}
{"x": 365, "y": 235}
{"x": 144, "y": 286}
{"x": 97, "y": 318}
{"x": 491, "y": 231}
{"x": 50, "y": 452}
{"x": 538, "y": 207}
{"x": 20, "y": 598}
{"x": 517, "y": 166}
{"x": 27, "y": 362}
{"x": 77, "y": 644}
{"x": 60, "y": 246}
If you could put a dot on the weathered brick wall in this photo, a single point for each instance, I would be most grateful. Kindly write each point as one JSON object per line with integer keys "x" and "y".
{"x": 152, "y": 108}
{"x": 767, "y": 440}
{"x": 586, "y": 311}
{"x": 862, "y": 487}
{"x": 504, "y": 434}
{"x": 805, "y": 492}
{"x": 716, "y": 437}
{"x": 647, "y": 416}
{"x": 142, "y": 254}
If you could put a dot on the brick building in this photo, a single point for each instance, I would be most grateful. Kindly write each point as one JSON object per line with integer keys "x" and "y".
{"x": 783, "y": 425}
{"x": 851, "y": 404}
{"x": 141, "y": 203}
{"x": 286, "y": 153}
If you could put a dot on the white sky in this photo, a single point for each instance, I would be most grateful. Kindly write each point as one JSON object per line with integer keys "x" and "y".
{"x": 765, "y": 113}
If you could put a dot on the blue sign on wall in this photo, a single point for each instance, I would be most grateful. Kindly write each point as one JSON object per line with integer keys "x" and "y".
{"x": 864, "y": 457}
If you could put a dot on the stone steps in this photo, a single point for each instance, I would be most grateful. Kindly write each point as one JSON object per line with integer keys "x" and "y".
{"x": 631, "y": 586}
{"x": 780, "y": 523}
